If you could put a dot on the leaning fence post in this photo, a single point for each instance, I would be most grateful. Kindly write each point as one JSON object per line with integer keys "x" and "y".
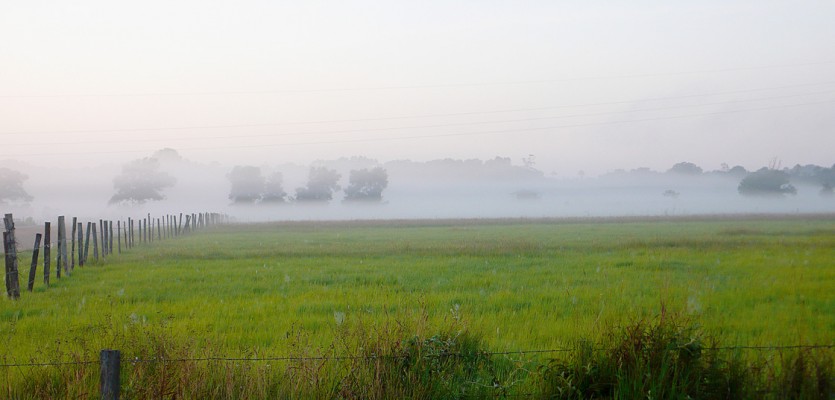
{"x": 110, "y": 364}
{"x": 90, "y": 226}
{"x": 34, "y": 267}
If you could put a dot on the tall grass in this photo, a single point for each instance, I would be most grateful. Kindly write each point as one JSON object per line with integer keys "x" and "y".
{"x": 665, "y": 357}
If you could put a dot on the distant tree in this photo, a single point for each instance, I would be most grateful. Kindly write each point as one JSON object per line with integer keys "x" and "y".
{"x": 247, "y": 184}
{"x": 826, "y": 178}
{"x": 322, "y": 183}
{"x": 11, "y": 187}
{"x": 738, "y": 171}
{"x": 766, "y": 182}
{"x": 366, "y": 185}
{"x": 140, "y": 181}
{"x": 167, "y": 155}
{"x": 274, "y": 189}
{"x": 686, "y": 168}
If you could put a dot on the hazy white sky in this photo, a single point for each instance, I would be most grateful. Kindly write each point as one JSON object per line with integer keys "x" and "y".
{"x": 582, "y": 85}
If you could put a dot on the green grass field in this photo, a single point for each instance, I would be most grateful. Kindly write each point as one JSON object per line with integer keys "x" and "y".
{"x": 516, "y": 285}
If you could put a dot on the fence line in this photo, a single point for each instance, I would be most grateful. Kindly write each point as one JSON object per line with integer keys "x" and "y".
{"x": 102, "y": 240}
{"x": 136, "y": 360}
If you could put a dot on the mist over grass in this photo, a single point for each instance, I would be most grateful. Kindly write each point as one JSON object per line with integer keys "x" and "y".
{"x": 446, "y": 188}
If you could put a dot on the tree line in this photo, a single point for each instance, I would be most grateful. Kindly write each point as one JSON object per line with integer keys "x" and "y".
{"x": 144, "y": 180}
{"x": 250, "y": 186}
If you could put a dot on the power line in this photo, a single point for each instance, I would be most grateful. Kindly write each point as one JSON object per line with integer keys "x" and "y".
{"x": 427, "y": 86}
{"x": 397, "y": 128}
{"x": 518, "y": 130}
{"x": 193, "y": 127}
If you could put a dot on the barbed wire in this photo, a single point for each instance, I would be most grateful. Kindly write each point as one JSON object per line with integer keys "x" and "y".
{"x": 136, "y": 360}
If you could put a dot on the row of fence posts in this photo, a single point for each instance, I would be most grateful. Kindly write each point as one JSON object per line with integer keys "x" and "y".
{"x": 128, "y": 234}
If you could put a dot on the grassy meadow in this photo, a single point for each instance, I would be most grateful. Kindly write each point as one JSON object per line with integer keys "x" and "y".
{"x": 295, "y": 288}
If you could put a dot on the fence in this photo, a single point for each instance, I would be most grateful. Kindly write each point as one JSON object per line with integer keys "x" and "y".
{"x": 106, "y": 242}
{"x": 110, "y": 361}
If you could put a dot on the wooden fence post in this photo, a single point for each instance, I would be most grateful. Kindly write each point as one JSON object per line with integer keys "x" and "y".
{"x": 9, "y": 275}
{"x": 61, "y": 261}
{"x": 80, "y": 242}
{"x": 33, "y": 269}
{"x": 47, "y": 252}
{"x": 180, "y": 225}
{"x": 12, "y": 281}
{"x": 95, "y": 244}
{"x": 110, "y": 366}
{"x": 119, "y": 235}
{"x": 72, "y": 240}
{"x": 159, "y": 230}
{"x": 90, "y": 226}
{"x": 110, "y": 239}
{"x": 103, "y": 234}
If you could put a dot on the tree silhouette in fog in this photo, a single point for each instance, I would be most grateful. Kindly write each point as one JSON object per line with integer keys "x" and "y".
{"x": 686, "y": 168}
{"x": 274, "y": 189}
{"x": 247, "y": 184}
{"x": 322, "y": 183}
{"x": 366, "y": 185}
{"x": 11, "y": 187}
{"x": 766, "y": 182}
{"x": 140, "y": 181}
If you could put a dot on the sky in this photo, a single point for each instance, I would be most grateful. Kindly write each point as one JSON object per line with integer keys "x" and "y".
{"x": 587, "y": 86}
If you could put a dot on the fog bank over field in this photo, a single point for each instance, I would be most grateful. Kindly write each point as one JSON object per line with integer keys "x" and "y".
{"x": 444, "y": 188}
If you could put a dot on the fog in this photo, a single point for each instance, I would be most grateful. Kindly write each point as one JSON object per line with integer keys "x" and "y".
{"x": 583, "y": 87}
{"x": 440, "y": 189}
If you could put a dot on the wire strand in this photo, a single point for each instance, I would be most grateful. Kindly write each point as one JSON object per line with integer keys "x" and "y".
{"x": 395, "y": 356}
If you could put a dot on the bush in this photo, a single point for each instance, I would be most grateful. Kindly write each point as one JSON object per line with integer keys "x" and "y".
{"x": 661, "y": 358}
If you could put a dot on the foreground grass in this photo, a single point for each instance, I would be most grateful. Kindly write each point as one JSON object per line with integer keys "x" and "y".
{"x": 327, "y": 289}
